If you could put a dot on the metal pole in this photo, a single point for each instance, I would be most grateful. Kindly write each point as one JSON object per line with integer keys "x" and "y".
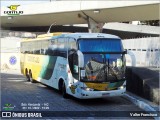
{"x": 50, "y": 27}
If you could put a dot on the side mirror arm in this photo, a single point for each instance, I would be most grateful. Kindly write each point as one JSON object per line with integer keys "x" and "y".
{"x": 80, "y": 59}
{"x": 125, "y": 52}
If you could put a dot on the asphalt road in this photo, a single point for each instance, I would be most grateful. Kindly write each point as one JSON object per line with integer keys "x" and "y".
{"x": 26, "y": 96}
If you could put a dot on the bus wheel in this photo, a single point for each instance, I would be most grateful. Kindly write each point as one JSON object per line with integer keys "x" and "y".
{"x": 64, "y": 93}
{"x": 27, "y": 75}
{"x": 30, "y": 77}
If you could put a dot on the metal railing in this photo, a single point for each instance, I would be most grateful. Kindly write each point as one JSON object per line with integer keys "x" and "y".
{"x": 20, "y": 34}
{"x": 145, "y": 50}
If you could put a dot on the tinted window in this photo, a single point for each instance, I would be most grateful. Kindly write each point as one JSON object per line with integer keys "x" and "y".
{"x": 58, "y": 47}
{"x": 100, "y": 45}
{"x": 34, "y": 47}
{"x": 71, "y": 43}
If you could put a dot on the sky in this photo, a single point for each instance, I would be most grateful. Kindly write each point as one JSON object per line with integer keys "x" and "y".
{"x": 5, "y": 3}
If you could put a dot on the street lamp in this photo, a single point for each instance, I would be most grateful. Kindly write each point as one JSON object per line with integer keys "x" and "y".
{"x": 50, "y": 27}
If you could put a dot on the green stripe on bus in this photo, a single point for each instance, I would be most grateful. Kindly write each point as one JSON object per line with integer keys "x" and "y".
{"x": 48, "y": 67}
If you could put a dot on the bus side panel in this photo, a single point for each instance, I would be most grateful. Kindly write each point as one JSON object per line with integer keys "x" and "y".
{"x": 47, "y": 67}
{"x": 53, "y": 69}
{"x": 60, "y": 71}
{"x": 41, "y": 65}
{"x": 43, "y": 68}
{"x": 22, "y": 60}
{"x": 33, "y": 63}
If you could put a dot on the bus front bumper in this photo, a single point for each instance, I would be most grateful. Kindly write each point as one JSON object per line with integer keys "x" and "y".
{"x": 101, "y": 94}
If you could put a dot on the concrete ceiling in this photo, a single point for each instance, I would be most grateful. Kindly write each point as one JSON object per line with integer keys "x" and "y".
{"x": 120, "y": 13}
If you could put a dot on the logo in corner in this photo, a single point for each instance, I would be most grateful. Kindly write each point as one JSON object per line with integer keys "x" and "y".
{"x": 12, "y": 60}
{"x": 8, "y": 107}
{"x": 13, "y": 7}
{"x": 13, "y": 10}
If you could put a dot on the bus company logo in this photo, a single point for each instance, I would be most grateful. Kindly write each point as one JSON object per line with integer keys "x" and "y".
{"x": 8, "y": 107}
{"x": 13, "y": 10}
{"x": 12, "y": 60}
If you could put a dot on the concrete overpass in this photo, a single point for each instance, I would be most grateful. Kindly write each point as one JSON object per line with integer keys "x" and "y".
{"x": 78, "y": 12}
{"x": 153, "y": 30}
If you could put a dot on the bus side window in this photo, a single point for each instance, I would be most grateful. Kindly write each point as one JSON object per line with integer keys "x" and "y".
{"x": 22, "y": 47}
{"x": 44, "y": 47}
{"x": 42, "y": 51}
{"x": 71, "y": 44}
{"x": 73, "y": 57}
{"x": 32, "y": 45}
{"x": 51, "y": 47}
{"x": 37, "y": 47}
{"x": 62, "y": 51}
{"x": 26, "y": 47}
{"x": 75, "y": 66}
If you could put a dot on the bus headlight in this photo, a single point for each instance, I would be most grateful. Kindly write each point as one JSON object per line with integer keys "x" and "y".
{"x": 87, "y": 89}
{"x": 122, "y": 87}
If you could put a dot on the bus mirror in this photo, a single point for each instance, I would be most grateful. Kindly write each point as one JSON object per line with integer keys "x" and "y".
{"x": 80, "y": 59}
{"x": 125, "y": 51}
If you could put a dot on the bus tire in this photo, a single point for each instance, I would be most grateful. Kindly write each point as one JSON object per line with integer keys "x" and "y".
{"x": 30, "y": 77}
{"x": 64, "y": 93}
{"x": 27, "y": 75}
{"x": 60, "y": 85}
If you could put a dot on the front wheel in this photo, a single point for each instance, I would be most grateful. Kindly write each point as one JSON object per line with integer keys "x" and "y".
{"x": 64, "y": 93}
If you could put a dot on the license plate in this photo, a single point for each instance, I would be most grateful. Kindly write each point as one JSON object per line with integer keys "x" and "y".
{"x": 105, "y": 94}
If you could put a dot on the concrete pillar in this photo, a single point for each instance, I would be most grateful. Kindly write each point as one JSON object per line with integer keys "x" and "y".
{"x": 94, "y": 27}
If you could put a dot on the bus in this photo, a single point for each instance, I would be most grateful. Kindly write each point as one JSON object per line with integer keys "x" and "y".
{"x": 83, "y": 65}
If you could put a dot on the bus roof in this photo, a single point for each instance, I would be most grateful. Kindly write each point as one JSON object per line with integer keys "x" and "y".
{"x": 73, "y": 35}
{"x": 50, "y": 34}
{"x": 43, "y": 36}
{"x": 87, "y": 35}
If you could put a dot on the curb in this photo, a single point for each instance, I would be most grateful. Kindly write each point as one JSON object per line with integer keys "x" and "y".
{"x": 140, "y": 102}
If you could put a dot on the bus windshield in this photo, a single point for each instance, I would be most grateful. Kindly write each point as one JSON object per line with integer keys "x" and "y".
{"x": 103, "y": 59}
{"x": 100, "y": 45}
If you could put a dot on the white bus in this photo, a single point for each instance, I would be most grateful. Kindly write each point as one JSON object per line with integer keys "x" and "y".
{"x": 83, "y": 65}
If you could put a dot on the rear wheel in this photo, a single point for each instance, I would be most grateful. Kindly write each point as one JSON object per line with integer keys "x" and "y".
{"x": 30, "y": 77}
{"x": 27, "y": 75}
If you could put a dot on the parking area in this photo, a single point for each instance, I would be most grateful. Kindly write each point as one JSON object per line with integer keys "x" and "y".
{"x": 25, "y": 96}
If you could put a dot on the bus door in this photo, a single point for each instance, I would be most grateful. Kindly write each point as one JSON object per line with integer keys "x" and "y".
{"x": 61, "y": 68}
{"x": 61, "y": 59}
